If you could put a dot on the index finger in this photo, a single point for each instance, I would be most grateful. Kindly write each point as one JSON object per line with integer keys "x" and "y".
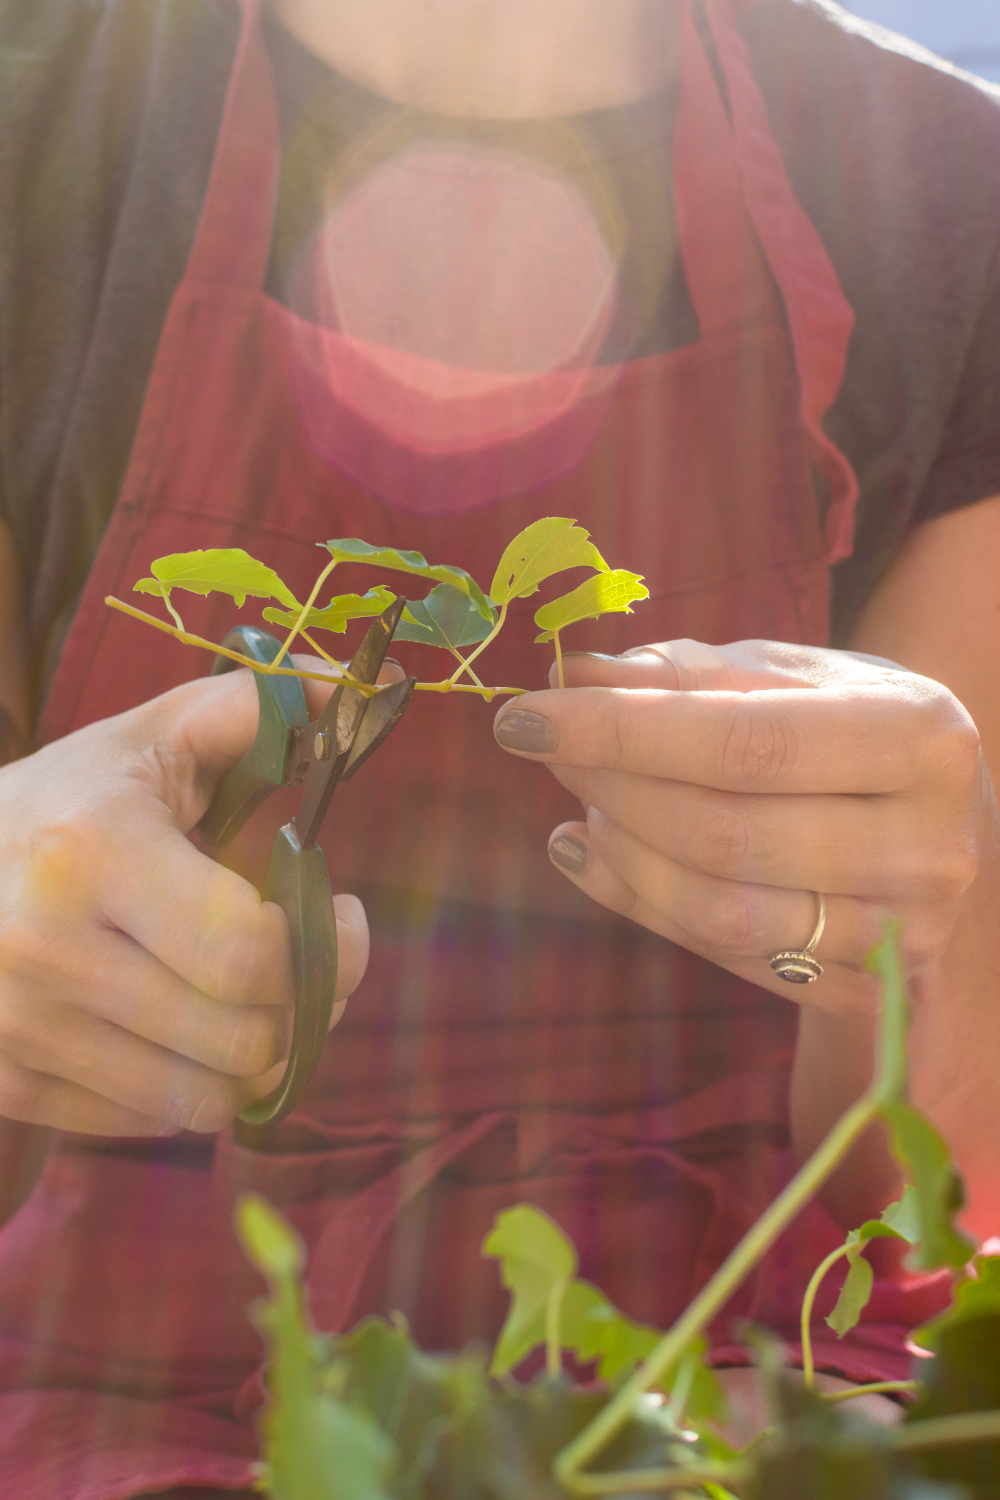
{"x": 858, "y": 738}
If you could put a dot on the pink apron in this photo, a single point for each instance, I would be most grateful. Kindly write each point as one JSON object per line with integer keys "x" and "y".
{"x": 510, "y": 1042}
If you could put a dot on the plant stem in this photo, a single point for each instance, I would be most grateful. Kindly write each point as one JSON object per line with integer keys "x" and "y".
{"x": 465, "y": 665}
{"x": 628, "y": 1481}
{"x": 805, "y": 1184}
{"x": 559, "y": 661}
{"x": 166, "y": 599}
{"x": 807, "y": 1307}
{"x": 266, "y": 669}
{"x": 324, "y": 575}
{"x": 877, "y": 1388}
{"x": 468, "y": 660}
{"x": 273, "y": 670}
{"x": 553, "y": 1331}
{"x": 964, "y": 1427}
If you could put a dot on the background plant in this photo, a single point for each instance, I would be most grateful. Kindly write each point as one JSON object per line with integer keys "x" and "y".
{"x": 367, "y": 1416}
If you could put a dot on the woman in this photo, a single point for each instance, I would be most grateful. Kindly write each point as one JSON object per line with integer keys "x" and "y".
{"x": 695, "y": 274}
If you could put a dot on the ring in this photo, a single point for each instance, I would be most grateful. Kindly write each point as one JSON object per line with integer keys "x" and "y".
{"x": 797, "y": 966}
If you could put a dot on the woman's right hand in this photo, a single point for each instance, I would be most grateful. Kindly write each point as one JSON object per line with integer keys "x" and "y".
{"x": 144, "y": 989}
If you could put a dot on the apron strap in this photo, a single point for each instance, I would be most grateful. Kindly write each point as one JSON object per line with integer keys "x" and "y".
{"x": 820, "y": 318}
{"x": 727, "y": 274}
{"x": 232, "y": 244}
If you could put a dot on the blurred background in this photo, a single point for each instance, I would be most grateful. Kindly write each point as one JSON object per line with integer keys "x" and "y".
{"x": 966, "y": 32}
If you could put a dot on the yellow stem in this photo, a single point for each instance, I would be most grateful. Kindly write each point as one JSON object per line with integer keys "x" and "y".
{"x": 273, "y": 670}
{"x": 559, "y": 661}
{"x": 166, "y": 600}
{"x": 875, "y": 1389}
{"x": 553, "y": 1339}
{"x": 468, "y": 660}
{"x": 305, "y": 610}
{"x": 465, "y": 665}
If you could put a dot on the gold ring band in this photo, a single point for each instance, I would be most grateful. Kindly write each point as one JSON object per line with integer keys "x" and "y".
{"x": 797, "y": 965}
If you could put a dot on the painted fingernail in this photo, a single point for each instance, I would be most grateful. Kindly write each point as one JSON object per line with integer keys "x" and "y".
{"x": 589, "y": 655}
{"x": 517, "y": 730}
{"x": 568, "y": 853}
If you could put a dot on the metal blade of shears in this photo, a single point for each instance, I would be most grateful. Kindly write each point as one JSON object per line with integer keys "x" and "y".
{"x": 328, "y": 745}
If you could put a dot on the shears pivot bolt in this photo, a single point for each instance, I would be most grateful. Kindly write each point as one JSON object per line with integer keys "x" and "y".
{"x": 323, "y": 746}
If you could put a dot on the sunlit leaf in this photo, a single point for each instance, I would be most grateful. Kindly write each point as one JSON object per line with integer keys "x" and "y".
{"x": 548, "y": 546}
{"x": 445, "y": 618}
{"x": 336, "y": 614}
{"x": 222, "y": 570}
{"x": 899, "y": 1221}
{"x": 536, "y": 1259}
{"x": 976, "y": 1294}
{"x": 353, "y": 550}
{"x": 601, "y": 594}
{"x": 937, "y": 1188}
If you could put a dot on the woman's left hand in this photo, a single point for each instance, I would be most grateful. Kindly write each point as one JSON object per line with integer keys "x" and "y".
{"x": 724, "y": 786}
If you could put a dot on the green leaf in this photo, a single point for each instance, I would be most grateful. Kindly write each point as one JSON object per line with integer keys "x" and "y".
{"x": 315, "y": 1446}
{"x": 445, "y": 618}
{"x": 602, "y": 594}
{"x": 976, "y": 1294}
{"x": 268, "y": 1239}
{"x": 964, "y": 1376}
{"x": 536, "y": 1259}
{"x": 353, "y": 550}
{"x": 938, "y": 1193}
{"x": 339, "y": 610}
{"x": 854, "y": 1294}
{"x": 903, "y": 1217}
{"x": 222, "y": 570}
{"x": 548, "y": 546}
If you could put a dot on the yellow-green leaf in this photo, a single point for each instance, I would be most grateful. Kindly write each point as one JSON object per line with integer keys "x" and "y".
{"x": 548, "y": 546}
{"x": 268, "y": 1239}
{"x": 352, "y": 550}
{"x": 220, "y": 570}
{"x": 602, "y": 594}
{"x": 335, "y": 615}
{"x": 535, "y": 1258}
{"x": 854, "y": 1294}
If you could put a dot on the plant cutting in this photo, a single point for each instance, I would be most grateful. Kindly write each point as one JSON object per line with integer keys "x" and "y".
{"x": 368, "y": 1416}
{"x": 457, "y": 615}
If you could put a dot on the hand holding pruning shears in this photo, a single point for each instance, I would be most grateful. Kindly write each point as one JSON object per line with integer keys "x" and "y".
{"x": 143, "y": 987}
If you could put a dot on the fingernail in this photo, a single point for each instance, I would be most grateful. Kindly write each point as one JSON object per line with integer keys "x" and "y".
{"x": 517, "y": 730}
{"x": 589, "y": 655}
{"x": 568, "y": 854}
{"x": 644, "y": 651}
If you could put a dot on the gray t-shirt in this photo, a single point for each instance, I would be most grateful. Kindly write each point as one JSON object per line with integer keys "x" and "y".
{"x": 109, "y": 112}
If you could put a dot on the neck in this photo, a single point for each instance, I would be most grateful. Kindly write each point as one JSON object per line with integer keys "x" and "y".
{"x": 503, "y": 59}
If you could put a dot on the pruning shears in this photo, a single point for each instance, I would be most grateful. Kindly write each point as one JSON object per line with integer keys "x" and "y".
{"x": 288, "y": 750}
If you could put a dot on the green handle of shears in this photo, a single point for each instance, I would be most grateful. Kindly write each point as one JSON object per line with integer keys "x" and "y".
{"x": 282, "y": 703}
{"x": 297, "y": 879}
{"x": 299, "y": 882}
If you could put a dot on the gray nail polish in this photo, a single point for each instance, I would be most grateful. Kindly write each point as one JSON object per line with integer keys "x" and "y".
{"x": 516, "y": 729}
{"x": 568, "y": 853}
